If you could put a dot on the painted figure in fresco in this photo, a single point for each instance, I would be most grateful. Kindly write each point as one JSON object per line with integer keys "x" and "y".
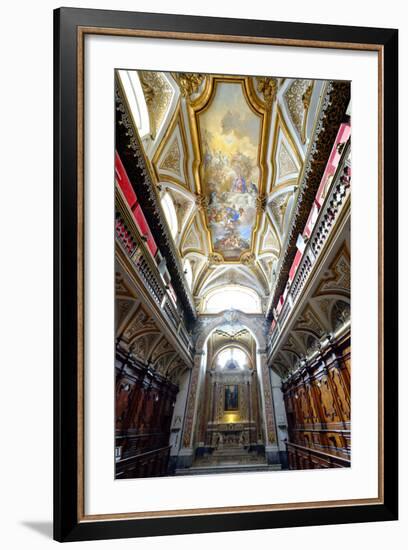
{"x": 231, "y": 241}
{"x": 253, "y": 188}
{"x": 207, "y": 159}
{"x": 239, "y": 185}
{"x": 212, "y": 201}
{"x": 233, "y": 214}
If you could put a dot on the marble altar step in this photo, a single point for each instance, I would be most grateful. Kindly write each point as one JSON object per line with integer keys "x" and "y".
{"x": 230, "y": 451}
{"x": 227, "y": 469}
{"x": 230, "y": 456}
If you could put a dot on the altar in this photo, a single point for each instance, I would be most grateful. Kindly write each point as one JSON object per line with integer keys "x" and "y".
{"x": 234, "y": 434}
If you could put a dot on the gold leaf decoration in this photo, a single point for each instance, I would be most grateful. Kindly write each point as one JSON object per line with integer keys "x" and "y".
{"x": 158, "y": 94}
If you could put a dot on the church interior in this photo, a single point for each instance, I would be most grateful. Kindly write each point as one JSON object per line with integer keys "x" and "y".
{"x": 232, "y": 274}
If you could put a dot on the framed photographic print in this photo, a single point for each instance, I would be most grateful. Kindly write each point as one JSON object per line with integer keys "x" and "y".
{"x": 225, "y": 274}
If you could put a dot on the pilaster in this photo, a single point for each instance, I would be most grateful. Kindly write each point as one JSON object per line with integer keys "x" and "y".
{"x": 271, "y": 440}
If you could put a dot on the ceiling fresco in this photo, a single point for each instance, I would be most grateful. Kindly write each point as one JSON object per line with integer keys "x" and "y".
{"x": 230, "y": 138}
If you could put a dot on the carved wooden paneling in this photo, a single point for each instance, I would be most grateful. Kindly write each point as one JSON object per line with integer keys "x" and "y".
{"x": 317, "y": 405}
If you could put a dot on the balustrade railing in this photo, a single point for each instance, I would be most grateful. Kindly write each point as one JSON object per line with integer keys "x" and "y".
{"x": 300, "y": 457}
{"x": 133, "y": 245}
{"x": 147, "y": 464}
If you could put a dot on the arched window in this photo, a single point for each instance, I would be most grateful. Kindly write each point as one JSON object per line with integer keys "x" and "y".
{"x": 136, "y": 99}
{"x": 232, "y": 358}
{"x": 170, "y": 213}
{"x": 233, "y": 297}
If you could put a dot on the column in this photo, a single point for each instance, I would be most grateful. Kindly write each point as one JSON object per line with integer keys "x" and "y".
{"x": 177, "y": 420}
{"x": 280, "y": 416}
{"x": 211, "y": 435}
{"x": 185, "y": 457}
{"x": 249, "y": 390}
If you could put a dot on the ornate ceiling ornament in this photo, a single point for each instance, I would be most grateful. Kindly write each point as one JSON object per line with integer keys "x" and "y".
{"x": 231, "y": 278}
{"x": 268, "y": 87}
{"x": 123, "y": 308}
{"x": 337, "y": 279}
{"x": 140, "y": 322}
{"x": 191, "y": 239}
{"x": 215, "y": 259}
{"x": 189, "y": 83}
{"x": 197, "y": 265}
{"x": 232, "y": 335}
{"x": 176, "y": 368}
{"x": 298, "y": 97}
{"x": 291, "y": 345}
{"x": 340, "y": 314}
{"x": 261, "y": 203}
{"x": 281, "y": 358}
{"x": 231, "y": 316}
{"x": 248, "y": 258}
{"x": 270, "y": 241}
{"x": 324, "y": 306}
{"x": 158, "y": 94}
{"x": 306, "y": 97}
{"x": 171, "y": 161}
{"x": 162, "y": 348}
{"x": 163, "y": 363}
{"x": 266, "y": 264}
{"x": 139, "y": 348}
{"x": 286, "y": 164}
{"x": 308, "y": 320}
{"x": 182, "y": 208}
{"x": 201, "y": 201}
{"x": 121, "y": 288}
{"x": 278, "y": 208}
{"x": 312, "y": 344}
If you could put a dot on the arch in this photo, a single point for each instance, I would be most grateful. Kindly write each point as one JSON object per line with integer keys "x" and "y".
{"x": 253, "y": 323}
{"x": 304, "y": 334}
{"x": 134, "y": 93}
{"x": 161, "y": 355}
{"x": 222, "y": 298}
{"x": 238, "y": 345}
{"x": 143, "y": 332}
{"x": 339, "y": 313}
{"x": 232, "y": 346}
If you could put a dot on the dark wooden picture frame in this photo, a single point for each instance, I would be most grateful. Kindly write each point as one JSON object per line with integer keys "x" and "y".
{"x": 70, "y": 27}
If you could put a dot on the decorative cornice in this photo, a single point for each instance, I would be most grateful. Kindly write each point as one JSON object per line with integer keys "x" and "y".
{"x": 261, "y": 203}
{"x": 132, "y": 156}
{"x": 201, "y": 201}
{"x": 267, "y": 86}
{"x": 189, "y": 83}
{"x": 332, "y": 114}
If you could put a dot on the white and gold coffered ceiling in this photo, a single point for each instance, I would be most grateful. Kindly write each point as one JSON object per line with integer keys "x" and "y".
{"x": 229, "y": 151}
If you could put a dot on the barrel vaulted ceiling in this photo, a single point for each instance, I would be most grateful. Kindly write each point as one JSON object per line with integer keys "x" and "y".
{"x": 229, "y": 151}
